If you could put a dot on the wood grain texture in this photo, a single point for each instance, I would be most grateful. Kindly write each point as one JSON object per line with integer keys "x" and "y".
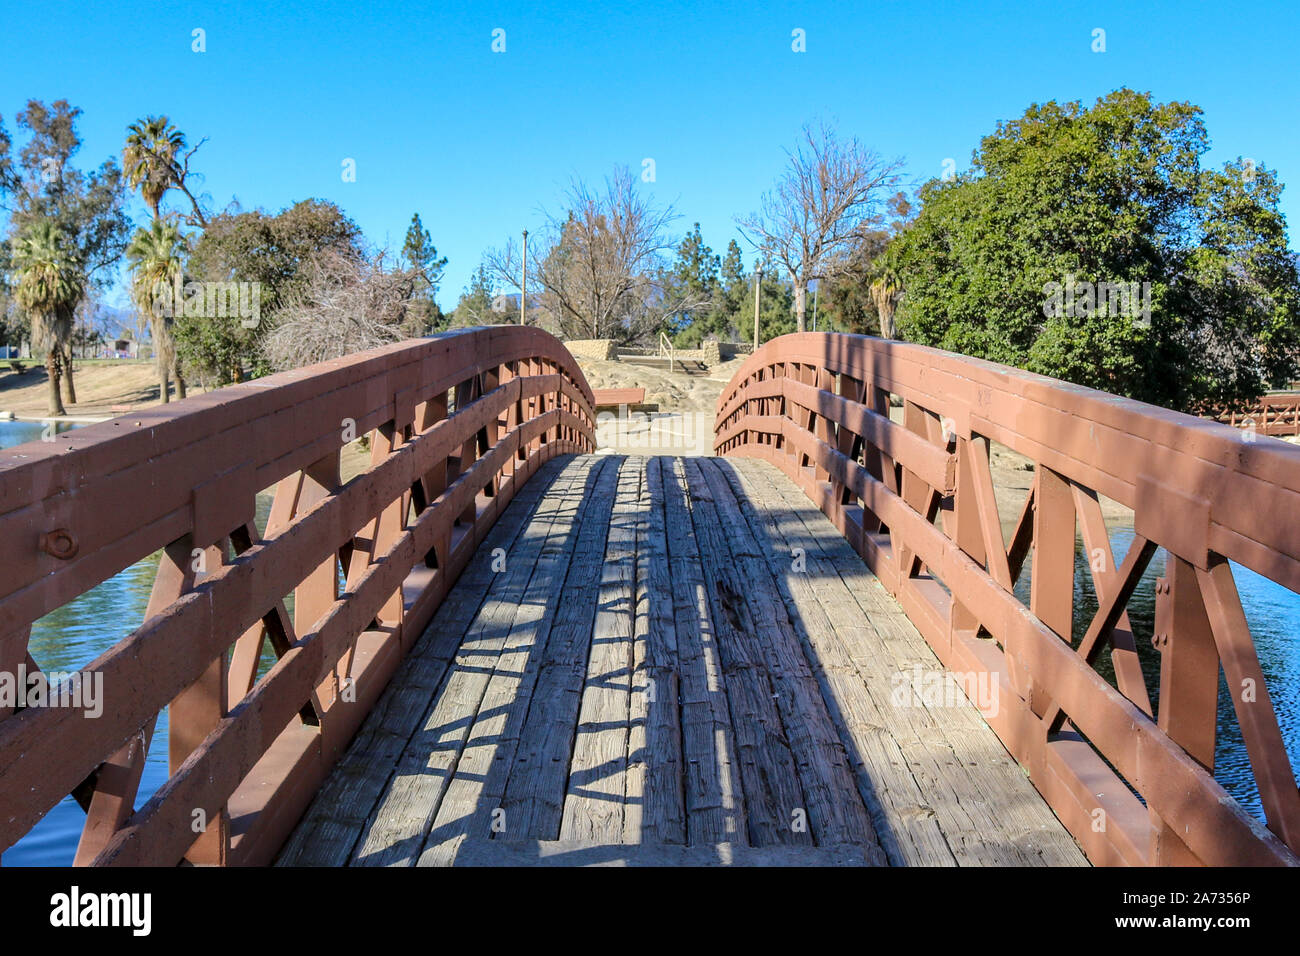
{"x": 680, "y": 662}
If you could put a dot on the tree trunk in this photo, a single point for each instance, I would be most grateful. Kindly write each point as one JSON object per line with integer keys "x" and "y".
{"x": 164, "y": 387}
{"x": 180, "y": 380}
{"x": 888, "y": 328}
{"x": 56, "y": 409}
{"x": 801, "y": 303}
{"x": 69, "y": 387}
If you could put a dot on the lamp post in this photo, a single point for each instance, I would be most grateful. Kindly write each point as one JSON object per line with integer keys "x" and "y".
{"x": 523, "y": 285}
{"x": 758, "y": 284}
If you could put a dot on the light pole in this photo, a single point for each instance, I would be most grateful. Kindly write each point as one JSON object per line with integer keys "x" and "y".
{"x": 523, "y": 285}
{"x": 758, "y": 284}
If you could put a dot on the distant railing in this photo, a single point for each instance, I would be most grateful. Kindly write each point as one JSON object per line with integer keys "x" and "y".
{"x": 457, "y": 424}
{"x": 917, "y": 500}
{"x": 666, "y": 348}
{"x": 1276, "y": 414}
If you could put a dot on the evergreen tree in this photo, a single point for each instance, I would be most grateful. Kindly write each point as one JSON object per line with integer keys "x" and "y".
{"x": 420, "y": 254}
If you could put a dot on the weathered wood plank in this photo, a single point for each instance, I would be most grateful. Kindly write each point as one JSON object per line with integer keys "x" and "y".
{"x": 835, "y": 811}
{"x": 655, "y": 744}
{"x": 987, "y": 810}
{"x": 593, "y": 806}
{"x": 713, "y": 795}
{"x": 677, "y": 657}
{"x": 535, "y": 792}
{"x": 901, "y": 811}
{"x": 773, "y": 795}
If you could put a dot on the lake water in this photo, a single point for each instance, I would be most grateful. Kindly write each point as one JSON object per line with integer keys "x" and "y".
{"x": 75, "y": 634}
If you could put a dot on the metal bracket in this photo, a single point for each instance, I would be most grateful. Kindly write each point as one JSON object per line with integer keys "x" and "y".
{"x": 1176, "y": 521}
{"x": 224, "y": 503}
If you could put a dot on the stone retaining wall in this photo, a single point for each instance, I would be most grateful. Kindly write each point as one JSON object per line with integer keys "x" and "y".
{"x": 603, "y": 349}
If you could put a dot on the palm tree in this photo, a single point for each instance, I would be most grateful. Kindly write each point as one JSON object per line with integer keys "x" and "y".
{"x": 150, "y": 158}
{"x": 886, "y": 290}
{"x": 157, "y": 258}
{"x": 49, "y": 286}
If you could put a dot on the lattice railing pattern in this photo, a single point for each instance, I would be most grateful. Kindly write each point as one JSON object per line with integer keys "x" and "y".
{"x": 892, "y": 441}
{"x": 457, "y": 423}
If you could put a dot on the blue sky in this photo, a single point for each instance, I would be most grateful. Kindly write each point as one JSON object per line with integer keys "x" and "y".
{"x": 480, "y": 142}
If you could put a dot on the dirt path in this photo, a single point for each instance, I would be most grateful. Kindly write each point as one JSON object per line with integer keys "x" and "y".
{"x": 684, "y": 426}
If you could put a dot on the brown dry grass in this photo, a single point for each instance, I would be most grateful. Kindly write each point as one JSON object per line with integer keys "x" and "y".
{"x": 100, "y": 386}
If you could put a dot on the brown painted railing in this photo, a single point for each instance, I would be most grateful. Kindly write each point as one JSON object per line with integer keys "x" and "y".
{"x": 457, "y": 424}
{"x": 917, "y": 500}
{"x": 1276, "y": 414}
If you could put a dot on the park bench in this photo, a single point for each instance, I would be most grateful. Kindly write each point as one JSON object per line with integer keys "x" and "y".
{"x": 611, "y": 399}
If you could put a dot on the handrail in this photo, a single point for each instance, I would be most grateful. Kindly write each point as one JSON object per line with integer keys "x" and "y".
{"x": 666, "y": 343}
{"x": 457, "y": 423}
{"x": 916, "y": 499}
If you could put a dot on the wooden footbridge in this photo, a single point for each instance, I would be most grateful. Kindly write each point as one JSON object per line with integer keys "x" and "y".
{"x": 494, "y": 646}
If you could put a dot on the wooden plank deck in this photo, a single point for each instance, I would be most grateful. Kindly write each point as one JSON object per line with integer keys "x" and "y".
{"x": 667, "y": 661}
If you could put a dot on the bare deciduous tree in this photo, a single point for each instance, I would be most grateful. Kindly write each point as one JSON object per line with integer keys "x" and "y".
{"x": 598, "y": 266}
{"x": 831, "y": 192}
{"x": 349, "y": 304}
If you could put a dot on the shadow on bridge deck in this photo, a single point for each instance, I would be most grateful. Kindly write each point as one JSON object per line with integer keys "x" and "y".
{"x": 673, "y": 661}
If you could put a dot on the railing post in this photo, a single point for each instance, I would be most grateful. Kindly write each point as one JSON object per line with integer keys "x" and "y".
{"x": 193, "y": 715}
{"x": 320, "y": 589}
{"x": 1051, "y": 591}
{"x": 388, "y": 527}
{"x": 466, "y": 392}
{"x": 967, "y": 529}
{"x": 1189, "y": 686}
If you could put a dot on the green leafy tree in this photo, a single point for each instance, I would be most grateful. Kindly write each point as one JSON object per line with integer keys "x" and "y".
{"x": 776, "y": 310}
{"x": 271, "y": 250}
{"x": 735, "y": 281}
{"x": 1089, "y": 244}
{"x": 85, "y": 209}
{"x": 49, "y": 284}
